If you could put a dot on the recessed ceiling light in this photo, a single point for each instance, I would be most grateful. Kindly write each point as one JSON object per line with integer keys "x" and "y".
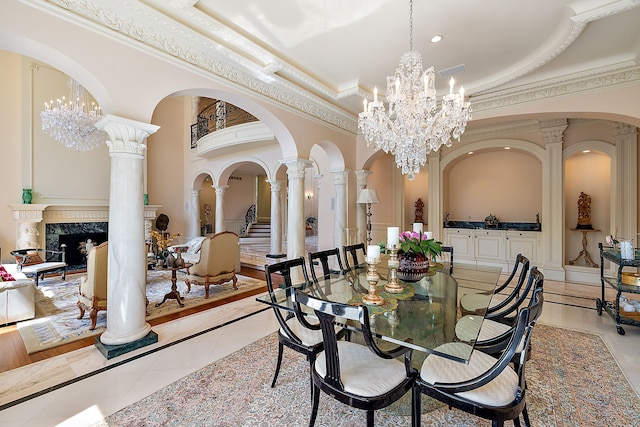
{"x": 470, "y": 152}
{"x": 586, "y": 151}
{"x": 507, "y": 148}
{"x": 436, "y": 38}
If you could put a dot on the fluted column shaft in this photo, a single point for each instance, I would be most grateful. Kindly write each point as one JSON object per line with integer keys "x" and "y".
{"x": 127, "y": 254}
{"x": 340, "y": 217}
{"x": 194, "y": 229}
{"x": 362, "y": 175}
{"x": 295, "y": 224}
{"x": 276, "y": 219}
{"x": 220, "y": 189}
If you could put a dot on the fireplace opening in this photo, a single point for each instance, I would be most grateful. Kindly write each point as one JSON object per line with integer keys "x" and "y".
{"x": 74, "y": 252}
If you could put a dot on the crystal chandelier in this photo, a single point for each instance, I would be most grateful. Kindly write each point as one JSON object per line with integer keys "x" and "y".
{"x": 414, "y": 126}
{"x": 72, "y": 123}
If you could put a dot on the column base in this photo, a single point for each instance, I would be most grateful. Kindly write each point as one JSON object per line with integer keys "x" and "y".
{"x": 276, "y": 255}
{"x": 111, "y": 351}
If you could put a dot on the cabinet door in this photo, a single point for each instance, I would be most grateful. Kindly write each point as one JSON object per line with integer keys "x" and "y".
{"x": 489, "y": 245}
{"x": 461, "y": 241}
{"x": 522, "y": 242}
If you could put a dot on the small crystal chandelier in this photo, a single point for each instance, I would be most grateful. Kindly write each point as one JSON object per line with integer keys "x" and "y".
{"x": 414, "y": 126}
{"x": 71, "y": 123}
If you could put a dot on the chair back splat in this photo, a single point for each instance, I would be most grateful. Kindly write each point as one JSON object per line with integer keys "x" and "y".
{"x": 324, "y": 257}
{"x": 351, "y": 255}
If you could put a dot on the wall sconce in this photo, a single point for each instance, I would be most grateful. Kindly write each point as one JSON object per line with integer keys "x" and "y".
{"x": 309, "y": 195}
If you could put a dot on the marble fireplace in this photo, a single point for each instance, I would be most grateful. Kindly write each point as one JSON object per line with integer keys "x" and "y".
{"x": 49, "y": 226}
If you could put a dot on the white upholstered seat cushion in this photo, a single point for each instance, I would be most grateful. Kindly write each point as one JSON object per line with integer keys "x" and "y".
{"x": 44, "y": 266}
{"x": 362, "y": 372}
{"x": 474, "y": 302}
{"x": 308, "y": 336}
{"x": 467, "y": 327}
{"x": 499, "y": 392}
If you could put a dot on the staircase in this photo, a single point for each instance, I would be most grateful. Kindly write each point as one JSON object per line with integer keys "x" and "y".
{"x": 258, "y": 232}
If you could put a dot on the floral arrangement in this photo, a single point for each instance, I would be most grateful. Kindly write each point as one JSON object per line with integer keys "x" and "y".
{"x": 163, "y": 240}
{"x": 5, "y": 276}
{"x": 611, "y": 240}
{"x": 413, "y": 241}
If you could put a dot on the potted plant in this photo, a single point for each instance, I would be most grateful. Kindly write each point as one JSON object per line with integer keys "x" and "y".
{"x": 416, "y": 252}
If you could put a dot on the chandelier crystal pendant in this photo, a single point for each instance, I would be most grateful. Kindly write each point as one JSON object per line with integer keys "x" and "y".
{"x": 72, "y": 123}
{"x": 414, "y": 125}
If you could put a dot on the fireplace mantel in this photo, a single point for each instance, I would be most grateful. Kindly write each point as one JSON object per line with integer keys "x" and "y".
{"x": 31, "y": 219}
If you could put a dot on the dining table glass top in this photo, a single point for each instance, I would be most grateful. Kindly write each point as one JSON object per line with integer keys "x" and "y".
{"x": 423, "y": 317}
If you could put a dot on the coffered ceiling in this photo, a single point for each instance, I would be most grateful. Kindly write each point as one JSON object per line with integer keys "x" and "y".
{"x": 332, "y": 53}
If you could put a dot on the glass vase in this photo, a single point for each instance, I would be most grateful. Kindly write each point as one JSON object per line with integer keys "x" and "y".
{"x": 413, "y": 266}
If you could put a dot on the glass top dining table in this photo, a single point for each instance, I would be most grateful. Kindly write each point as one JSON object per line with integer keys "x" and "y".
{"x": 423, "y": 317}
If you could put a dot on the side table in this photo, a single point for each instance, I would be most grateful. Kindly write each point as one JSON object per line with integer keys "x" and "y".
{"x": 584, "y": 253}
{"x": 173, "y": 293}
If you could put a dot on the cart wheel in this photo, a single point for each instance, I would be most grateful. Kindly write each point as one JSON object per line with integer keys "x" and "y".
{"x": 599, "y": 306}
{"x": 620, "y": 330}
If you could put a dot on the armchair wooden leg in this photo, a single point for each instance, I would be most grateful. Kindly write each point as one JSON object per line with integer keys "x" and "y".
{"x": 94, "y": 318}
{"x": 81, "y": 307}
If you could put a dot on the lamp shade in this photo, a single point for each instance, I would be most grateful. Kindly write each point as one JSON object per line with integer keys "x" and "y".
{"x": 368, "y": 195}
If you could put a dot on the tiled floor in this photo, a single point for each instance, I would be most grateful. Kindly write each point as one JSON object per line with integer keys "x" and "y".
{"x": 119, "y": 382}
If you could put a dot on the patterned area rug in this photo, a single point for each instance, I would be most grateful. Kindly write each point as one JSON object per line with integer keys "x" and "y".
{"x": 573, "y": 380}
{"x": 56, "y": 320}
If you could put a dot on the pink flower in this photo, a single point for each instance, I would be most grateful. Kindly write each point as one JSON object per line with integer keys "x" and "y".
{"x": 610, "y": 240}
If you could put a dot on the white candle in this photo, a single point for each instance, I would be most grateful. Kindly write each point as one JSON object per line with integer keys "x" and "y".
{"x": 451, "y": 86}
{"x": 626, "y": 250}
{"x": 375, "y": 95}
{"x": 429, "y": 235}
{"x": 461, "y": 93}
{"x": 373, "y": 253}
{"x": 417, "y": 227}
{"x": 365, "y": 104}
{"x": 393, "y": 236}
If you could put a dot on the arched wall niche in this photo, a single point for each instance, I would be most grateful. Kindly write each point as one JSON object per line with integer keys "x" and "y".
{"x": 588, "y": 167}
{"x": 493, "y": 180}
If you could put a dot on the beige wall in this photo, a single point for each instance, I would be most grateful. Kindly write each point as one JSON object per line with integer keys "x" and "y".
{"x": 414, "y": 190}
{"x": 165, "y": 162}
{"x": 505, "y": 183}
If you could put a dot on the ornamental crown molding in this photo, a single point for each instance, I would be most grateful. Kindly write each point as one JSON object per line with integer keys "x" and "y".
{"x": 593, "y": 80}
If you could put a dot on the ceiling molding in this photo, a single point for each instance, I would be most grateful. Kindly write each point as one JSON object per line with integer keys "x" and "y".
{"x": 624, "y": 73}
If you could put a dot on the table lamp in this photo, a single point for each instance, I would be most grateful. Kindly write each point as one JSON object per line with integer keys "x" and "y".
{"x": 368, "y": 196}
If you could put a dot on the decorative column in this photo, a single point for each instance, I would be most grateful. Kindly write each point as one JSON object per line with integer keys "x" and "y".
{"x": 127, "y": 255}
{"x": 362, "y": 175}
{"x": 276, "y": 219}
{"x": 434, "y": 196}
{"x": 553, "y": 199}
{"x": 295, "y": 223}
{"x": 220, "y": 189}
{"x": 625, "y": 203}
{"x": 340, "y": 213}
{"x": 196, "y": 227}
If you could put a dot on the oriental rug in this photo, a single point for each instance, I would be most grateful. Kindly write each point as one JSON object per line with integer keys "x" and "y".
{"x": 573, "y": 380}
{"x": 56, "y": 320}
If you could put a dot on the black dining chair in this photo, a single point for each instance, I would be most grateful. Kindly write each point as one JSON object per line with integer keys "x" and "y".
{"x": 471, "y": 303}
{"x": 487, "y": 387}
{"x": 503, "y": 313}
{"x": 494, "y": 336}
{"x": 361, "y": 376}
{"x": 292, "y": 333}
{"x": 447, "y": 252}
{"x": 324, "y": 258}
{"x": 351, "y": 251}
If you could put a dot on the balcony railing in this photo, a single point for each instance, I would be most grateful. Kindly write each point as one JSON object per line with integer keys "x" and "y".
{"x": 217, "y": 116}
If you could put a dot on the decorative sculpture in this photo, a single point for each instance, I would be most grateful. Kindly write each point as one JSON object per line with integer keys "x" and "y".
{"x": 419, "y": 205}
{"x": 584, "y": 212}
